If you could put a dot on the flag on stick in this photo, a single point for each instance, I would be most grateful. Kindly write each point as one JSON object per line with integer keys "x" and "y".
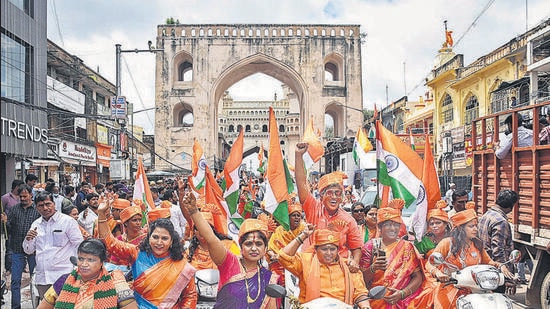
{"x": 142, "y": 191}
{"x": 214, "y": 199}
{"x": 400, "y": 167}
{"x": 411, "y": 137}
{"x": 232, "y": 178}
{"x": 361, "y": 146}
{"x": 198, "y": 167}
{"x": 278, "y": 180}
{"x": 315, "y": 150}
{"x": 261, "y": 165}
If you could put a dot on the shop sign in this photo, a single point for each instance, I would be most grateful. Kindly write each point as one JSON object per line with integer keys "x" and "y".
{"x": 24, "y": 131}
{"x": 102, "y": 134}
{"x": 77, "y": 151}
{"x": 103, "y": 154}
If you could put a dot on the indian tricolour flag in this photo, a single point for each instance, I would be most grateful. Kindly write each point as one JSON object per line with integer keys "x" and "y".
{"x": 315, "y": 149}
{"x": 213, "y": 197}
{"x": 232, "y": 179}
{"x": 278, "y": 180}
{"x": 142, "y": 191}
{"x": 198, "y": 167}
{"x": 361, "y": 146}
{"x": 401, "y": 169}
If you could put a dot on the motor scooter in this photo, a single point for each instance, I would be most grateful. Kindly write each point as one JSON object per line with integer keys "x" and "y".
{"x": 481, "y": 280}
{"x": 277, "y": 291}
{"x": 206, "y": 281}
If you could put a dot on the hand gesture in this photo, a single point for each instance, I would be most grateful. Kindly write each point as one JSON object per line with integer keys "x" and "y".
{"x": 189, "y": 203}
{"x": 308, "y": 230}
{"x": 379, "y": 263}
{"x": 32, "y": 233}
{"x": 105, "y": 204}
{"x": 301, "y": 148}
{"x": 394, "y": 296}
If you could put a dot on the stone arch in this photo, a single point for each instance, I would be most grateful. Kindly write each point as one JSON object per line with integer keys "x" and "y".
{"x": 334, "y": 67}
{"x": 471, "y": 108}
{"x": 182, "y": 67}
{"x": 183, "y": 115}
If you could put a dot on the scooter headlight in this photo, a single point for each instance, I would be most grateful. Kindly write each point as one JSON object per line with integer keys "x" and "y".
{"x": 487, "y": 279}
{"x": 207, "y": 290}
{"x": 462, "y": 303}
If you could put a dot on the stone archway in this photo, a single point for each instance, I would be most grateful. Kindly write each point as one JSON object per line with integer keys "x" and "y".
{"x": 220, "y": 55}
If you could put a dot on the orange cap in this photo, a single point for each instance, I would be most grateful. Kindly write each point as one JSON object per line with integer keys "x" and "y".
{"x": 438, "y": 212}
{"x": 392, "y": 211}
{"x": 296, "y": 207}
{"x": 158, "y": 213}
{"x": 324, "y": 237}
{"x": 129, "y": 212}
{"x": 251, "y": 225}
{"x": 120, "y": 203}
{"x": 165, "y": 204}
{"x": 463, "y": 217}
{"x": 334, "y": 178}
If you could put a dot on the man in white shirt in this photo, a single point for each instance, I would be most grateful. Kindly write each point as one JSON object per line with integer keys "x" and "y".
{"x": 525, "y": 137}
{"x": 54, "y": 238}
{"x": 88, "y": 216}
{"x": 449, "y": 195}
{"x": 177, "y": 218}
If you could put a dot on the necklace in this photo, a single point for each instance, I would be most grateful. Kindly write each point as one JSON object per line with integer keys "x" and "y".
{"x": 249, "y": 299}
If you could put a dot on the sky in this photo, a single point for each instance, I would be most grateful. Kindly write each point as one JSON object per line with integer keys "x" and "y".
{"x": 402, "y": 37}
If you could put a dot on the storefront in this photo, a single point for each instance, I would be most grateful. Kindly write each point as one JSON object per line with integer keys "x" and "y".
{"x": 79, "y": 160}
{"x": 103, "y": 162}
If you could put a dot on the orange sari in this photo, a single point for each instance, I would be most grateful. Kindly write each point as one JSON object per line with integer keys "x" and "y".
{"x": 403, "y": 261}
{"x": 446, "y": 295}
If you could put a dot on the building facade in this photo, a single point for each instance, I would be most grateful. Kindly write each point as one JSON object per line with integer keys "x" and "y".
{"x": 25, "y": 134}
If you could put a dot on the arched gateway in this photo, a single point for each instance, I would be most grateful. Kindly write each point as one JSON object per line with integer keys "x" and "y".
{"x": 320, "y": 64}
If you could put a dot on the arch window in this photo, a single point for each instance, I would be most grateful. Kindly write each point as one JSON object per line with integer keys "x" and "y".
{"x": 264, "y": 128}
{"x": 281, "y": 128}
{"x": 218, "y": 32}
{"x": 290, "y": 33}
{"x": 266, "y": 32}
{"x": 258, "y": 32}
{"x": 332, "y": 32}
{"x": 193, "y": 32}
{"x": 282, "y": 32}
{"x": 225, "y": 32}
{"x": 234, "y": 32}
{"x": 183, "y": 33}
{"x": 247, "y": 128}
{"x": 323, "y": 32}
{"x": 299, "y": 32}
{"x": 331, "y": 71}
{"x": 209, "y": 32}
{"x": 231, "y": 128}
{"x": 183, "y": 115}
{"x": 314, "y": 32}
{"x": 274, "y": 32}
{"x": 472, "y": 110}
{"x": 239, "y": 128}
{"x": 307, "y": 32}
{"x": 185, "y": 71}
{"x": 242, "y": 32}
{"x": 447, "y": 109}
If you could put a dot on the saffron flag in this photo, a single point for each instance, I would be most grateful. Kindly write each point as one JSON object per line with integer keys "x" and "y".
{"x": 232, "y": 179}
{"x": 198, "y": 167}
{"x": 261, "y": 161}
{"x": 213, "y": 198}
{"x": 400, "y": 168}
{"x": 315, "y": 150}
{"x": 142, "y": 191}
{"x": 361, "y": 146}
{"x": 278, "y": 180}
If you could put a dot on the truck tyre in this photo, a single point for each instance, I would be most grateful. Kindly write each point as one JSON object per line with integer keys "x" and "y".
{"x": 545, "y": 292}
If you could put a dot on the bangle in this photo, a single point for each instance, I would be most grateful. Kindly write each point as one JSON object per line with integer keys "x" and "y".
{"x": 402, "y": 294}
{"x": 299, "y": 240}
{"x": 101, "y": 220}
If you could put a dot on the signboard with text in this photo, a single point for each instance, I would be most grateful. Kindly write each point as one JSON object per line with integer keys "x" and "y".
{"x": 118, "y": 107}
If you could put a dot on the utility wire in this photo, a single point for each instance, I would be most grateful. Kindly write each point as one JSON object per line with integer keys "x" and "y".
{"x": 57, "y": 22}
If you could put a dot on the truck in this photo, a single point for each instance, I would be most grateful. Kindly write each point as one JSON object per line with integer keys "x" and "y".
{"x": 526, "y": 170}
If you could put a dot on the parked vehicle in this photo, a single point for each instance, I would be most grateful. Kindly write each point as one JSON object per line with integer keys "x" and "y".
{"x": 525, "y": 170}
{"x": 206, "y": 281}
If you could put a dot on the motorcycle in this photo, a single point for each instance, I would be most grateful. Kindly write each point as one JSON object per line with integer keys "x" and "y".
{"x": 481, "y": 280}
{"x": 206, "y": 281}
{"x": 277, "y": 291}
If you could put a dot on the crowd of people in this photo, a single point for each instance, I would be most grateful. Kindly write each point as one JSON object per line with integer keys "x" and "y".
{"x": 132, "y": 256}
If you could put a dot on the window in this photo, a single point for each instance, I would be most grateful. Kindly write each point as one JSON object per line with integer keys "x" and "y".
{"x": 231, "y": 128}
{"x": 100, "y": 99}
{"x": 447, "y": 109}
{"x": 247, "y": 128}
{"x": 472, "y": 110}
{"x": 25, "y": 6}
{"x": 16, "y": 69}
{"x": 185, "y": 71}
{"x": 281, "y": 128}
{"x": 264, "y": 128}
{"x": 331, "y": 72}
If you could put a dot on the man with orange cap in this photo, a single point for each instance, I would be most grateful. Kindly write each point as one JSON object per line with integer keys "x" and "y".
{"x": 326, "y": 213}
{"x": 282, "y": 237}
{"x": 113, "y": 220}
{"x": 323, "y": 273}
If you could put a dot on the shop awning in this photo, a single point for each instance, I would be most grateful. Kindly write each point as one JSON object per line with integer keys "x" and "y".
{"x": 77, "y": 162}
{"x": 44, "y": 162}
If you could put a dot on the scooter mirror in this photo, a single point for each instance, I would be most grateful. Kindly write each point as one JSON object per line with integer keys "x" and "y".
{"x": 436, "y": 259}
{"x": 515, "y": 256}
{"x": 275, "y": 291}
{"x": 377, "y": 292}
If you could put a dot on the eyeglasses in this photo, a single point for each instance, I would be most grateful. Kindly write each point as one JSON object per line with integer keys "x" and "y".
{"x": 359, "y": 210}
{"x": 333, "y": 192}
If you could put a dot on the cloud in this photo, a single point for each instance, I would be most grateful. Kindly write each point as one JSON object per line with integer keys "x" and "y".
{"x": 403, "y": 37}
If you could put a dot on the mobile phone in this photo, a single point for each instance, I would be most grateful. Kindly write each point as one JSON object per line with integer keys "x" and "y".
{"x": 381, "y": 252}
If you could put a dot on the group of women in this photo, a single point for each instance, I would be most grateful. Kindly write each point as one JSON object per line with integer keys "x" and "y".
{"x": 163, "y": 274}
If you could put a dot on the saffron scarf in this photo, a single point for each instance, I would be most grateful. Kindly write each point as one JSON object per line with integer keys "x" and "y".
{"x": 104, "y": 295}
{"x": 313, "y": 287}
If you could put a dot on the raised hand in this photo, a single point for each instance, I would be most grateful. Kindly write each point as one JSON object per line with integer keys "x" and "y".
{"x": 301, "y": 148}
